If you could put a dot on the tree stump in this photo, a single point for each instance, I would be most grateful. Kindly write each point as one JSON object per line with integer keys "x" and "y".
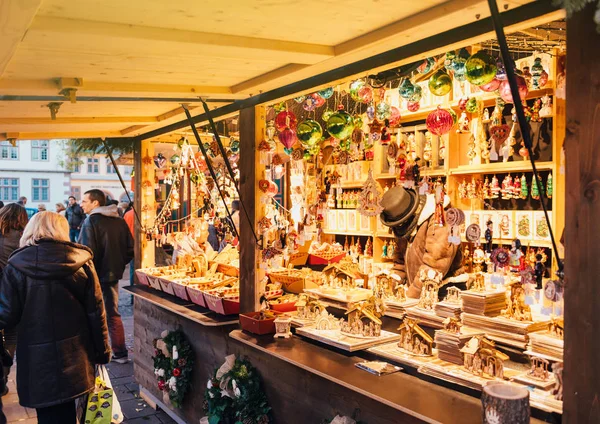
{"x": 504, "y": 403}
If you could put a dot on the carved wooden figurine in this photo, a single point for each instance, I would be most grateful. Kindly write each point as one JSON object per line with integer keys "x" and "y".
{"x": 431, "y": 281}
{"x": 480, "y": 357}
{"x": 452, "y": 295}
{"x": 414, "y": 339}
{"x": 516, "y": 307}
{"x": 539, "y": 368}
{"x": 556, "y": 328}
{"x": 452, "y": 325}
{"x": 363, "y": 318}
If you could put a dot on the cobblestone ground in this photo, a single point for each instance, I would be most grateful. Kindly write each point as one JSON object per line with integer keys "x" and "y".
{"x": 134, "y": 408}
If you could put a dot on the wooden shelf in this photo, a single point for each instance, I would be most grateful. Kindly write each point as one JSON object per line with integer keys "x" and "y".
{"x": 386, "y": 176}
{"x": 349, "y": 233}
{"x": 524, "y": 243}
{"x": 352, "y": 184}
{"x": 385, "y": 235}
{"x": 440, "y": 172}
{"x": 500, "y": 167}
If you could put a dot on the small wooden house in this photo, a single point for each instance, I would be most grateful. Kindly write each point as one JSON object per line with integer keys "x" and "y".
{"x": 452, "y": 295}
{"x": 539, "y": 368}
{"x": 346, "y": 272}
{"x": 482, "y": 358}
{"x": 390, "y": 286}
{"x": 414, "y": 339}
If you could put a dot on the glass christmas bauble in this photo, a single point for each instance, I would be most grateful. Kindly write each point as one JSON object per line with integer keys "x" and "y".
{"x": 371, "y": 112}
{"x": 454, "y": 115}
{"x": 355, "y": 86}
{"x": 358, "y": 121}
{"x": 449, "y": 61}
{"x": 406, "y": 89}
{"x": 365, "y": 94}
{"x": 417, "y": 94}
{"x": 458, "y": 65}
{"x": 395, "y": 117}
{"x": 234, "y": 146}
{"x": 505, "y": 89}
{"x": 440, "y": 83}
{"x": 426, "y": 65}
{"x": 279, "y": 107}
{"x": 287, "y": 137}
{"x": 309, "y": 132}
{"x": 300, "y": 99}
{"x": 326, "y": 92}
{"x": 326, "y": 114}
{"x": 319, "y": 101}
{"x": 481, "y": 68}
{"x": 501, "y": 70}
{"x": 382, "y": 111}
{"x": 413, "y": 106}
{"x": 175, "y": 159}
{"x": 340, "y": 125}
{"x": 285, "y": 119}
{"x": 493, "y": 85}
{"x": 309, "y": 104}
{"x": 439, "y": 122}
{"x": 471, "y": 105}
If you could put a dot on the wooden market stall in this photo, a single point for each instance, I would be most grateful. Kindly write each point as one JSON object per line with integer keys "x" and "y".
{"x": 102, "y": 95}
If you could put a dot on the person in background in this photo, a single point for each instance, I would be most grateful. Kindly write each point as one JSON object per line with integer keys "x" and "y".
{"x": 1, "y": 204}
{"x": 13, "y": 219}
{"x": 235, "y": 214}
{"x": 50, "y": 289}
{"x": 108, "y": 236}
{"x": 129, "y": 218}
{"x": 22, "y": 201}
{"x": 123, "y": 207}
{"x": 75, "y": 217}
{"x": 60, "y": 209}
{"x": 41, "y": 207}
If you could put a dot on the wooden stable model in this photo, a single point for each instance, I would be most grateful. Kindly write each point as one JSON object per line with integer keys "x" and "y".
{"x": 414, "y": 339}
{"x": 482, "y": 358}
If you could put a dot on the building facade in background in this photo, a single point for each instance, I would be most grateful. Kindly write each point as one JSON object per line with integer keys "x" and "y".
{"x": 98, "y": 172}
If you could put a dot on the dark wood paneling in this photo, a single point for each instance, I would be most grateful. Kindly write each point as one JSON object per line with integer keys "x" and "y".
{"x": 247, "y": 167}
{"x": 582, "y": 227}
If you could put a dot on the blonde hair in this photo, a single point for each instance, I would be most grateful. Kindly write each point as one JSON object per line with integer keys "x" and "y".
{"x": 49, "y": 225}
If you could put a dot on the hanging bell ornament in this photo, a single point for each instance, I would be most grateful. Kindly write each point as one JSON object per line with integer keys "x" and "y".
{"x": 406, "y": 89}
{"x": 340, "y": 125}
{"x": 481, "y": 68}
{"x": 506, "y": 94}
{"x": 440, "y": 83}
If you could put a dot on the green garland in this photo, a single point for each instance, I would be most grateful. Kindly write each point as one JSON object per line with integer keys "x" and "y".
{"x": 574, "y": 6}
{"x": 237, "y": 396}
{"x": 173, "y": 363}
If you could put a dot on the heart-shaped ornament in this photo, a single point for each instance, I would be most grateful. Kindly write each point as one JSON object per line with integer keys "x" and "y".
{"x": 500, "y": 133}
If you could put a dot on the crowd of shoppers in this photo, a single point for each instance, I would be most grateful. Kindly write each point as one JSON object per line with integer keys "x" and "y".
{"x": 59, "y": 287}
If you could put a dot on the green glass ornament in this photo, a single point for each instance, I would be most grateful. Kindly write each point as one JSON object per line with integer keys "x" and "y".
{"x": 481, "y": 68}
{"x": 440, "y": 83}
{"x": 536, "y": 188}
{"x": 280, "y": 107}
{"x": 355, "y": 87}
{"x": 326, "y": 92}
{"x": 234, "y": 146}
{"x": 471, "y": 105}
{"x": 175, "y": 159}
{"x": 300, "y": 99}
{"x": 406, "y": 89}
{"x": 309, "y": 132}
{"x": 358, "y": 121}
{"x": 549, "y": 186}
{"x": 417, "y": 94}
{"x": 340, "y": 125}
{"x": 524, "y": 188}
{"x": 383, "y": 111}
{"x": 307, "y": 155}
{"x": 326, "y": 114}
{"x": 449, "y": 61}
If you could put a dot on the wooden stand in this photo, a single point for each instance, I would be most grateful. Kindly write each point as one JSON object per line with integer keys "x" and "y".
{"x": 503, "y": 403}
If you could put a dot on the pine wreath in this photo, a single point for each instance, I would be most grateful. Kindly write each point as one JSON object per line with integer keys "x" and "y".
{"x": 173, "y": 365}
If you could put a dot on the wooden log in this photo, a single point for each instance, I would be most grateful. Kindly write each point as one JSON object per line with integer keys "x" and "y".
{"x": 505, "y": 403}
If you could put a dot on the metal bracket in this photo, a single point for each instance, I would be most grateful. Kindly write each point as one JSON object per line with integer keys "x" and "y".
{"x": 54, "y": 107}
{"x": 69, "y": 93}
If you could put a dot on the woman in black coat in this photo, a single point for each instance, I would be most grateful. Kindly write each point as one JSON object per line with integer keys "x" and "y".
{"x": 51, "y": 290}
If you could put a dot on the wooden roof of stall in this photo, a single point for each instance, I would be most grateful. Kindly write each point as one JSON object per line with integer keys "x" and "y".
{"x": 182, "y": 49}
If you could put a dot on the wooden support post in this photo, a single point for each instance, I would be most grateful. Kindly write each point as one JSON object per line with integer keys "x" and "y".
{"x": 248, "y": 249}
{"x": 582, "y": 228}
{"x": 147, "y": 199}
{"x": 139, "y": 236}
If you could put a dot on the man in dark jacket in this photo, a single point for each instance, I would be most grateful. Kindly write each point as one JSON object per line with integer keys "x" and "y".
{"x": 108, "y": 236}
{"x": 75, "y": 215}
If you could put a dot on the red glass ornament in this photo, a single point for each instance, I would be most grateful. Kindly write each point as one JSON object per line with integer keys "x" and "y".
{"x": 161, "y": 385}
{"x": 439, "y": 121}
{"x": 176, "y": 372}
{"x": 413, "y": 106}
{"x": 365, "y": 94}
{"x": 505, "y": 89}
{"x": 395, "y": 117}
{"x": 286, "y": 119}
{"x": 287, "y": 137}
{"x": 493, "y": 85}
{"x": 319, "y": 101}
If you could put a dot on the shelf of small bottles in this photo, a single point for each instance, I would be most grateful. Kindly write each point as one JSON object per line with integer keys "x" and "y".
{"x": 501, "y": 167}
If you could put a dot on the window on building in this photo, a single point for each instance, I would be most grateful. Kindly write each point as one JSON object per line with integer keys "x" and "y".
{"x": 110, "y": 169}
{"x": 40, "y": 190}
{"x": 39, "y": 150}
{"x": 8, "y": 151}
{"x": 76, "y": 193}
{"x": 93, "y": 166}
{"x": 127, "y": 170}
{"x": 9, "y": 189}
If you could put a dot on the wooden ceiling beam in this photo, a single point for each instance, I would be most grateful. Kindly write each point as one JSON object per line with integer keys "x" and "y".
{"x": 61, "y": 135}
{"x": 79, "y": 120}
{"x": 132, "y": 129}
{"x": 87, "y": 87}
{"x": 15, "y": 18}
{"x": 184, "y": 42}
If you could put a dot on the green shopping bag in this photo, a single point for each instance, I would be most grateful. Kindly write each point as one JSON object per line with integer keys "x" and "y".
{"x": 102, "y": 405}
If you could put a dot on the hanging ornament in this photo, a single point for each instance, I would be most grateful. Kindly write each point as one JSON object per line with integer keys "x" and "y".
{"x": 439, "y": 121}
{"x": 326, "y": 92}
{"x": 523, "y": 152}
{"x": 309, "y": 104}
{"x": 326, "y": 115}
{"x": 524, "y": 188}
{"x": 536, "y": 188}
{"x": 459, "y": 65}
{"x": 549, "y": 186}
{"x": 394, "y": 119}
{"x": 494, "y": 188}
{"x": 370, "y": 197}
{"x": 175, "y": 159}
{"x": 481, "y": 68}
{"x": 286, "y": 119}
{"x": 340, "y": 125}
{"x": 406, "y": 89}
{"x": 300, "y": 99}
{"x": 449, "y": 61}
{"x": 426, "y": 65}
{"x": 375, "y": 128}
{"x": 417, "y": 94}
{"x": 355, "y": 86}
{"x": 287, "y": 137}
{"x": 319, "y": 101}
{"x": 371, "y": 112}
{"x": 440, "y": 83}
{"x": 160, "y": 161}
{"x": 413, "y": 106}
{"x": 454, "y": 115}
{"x": 516, "y": 191}
{"x": 234, "y": 146}
{"x": 505, "y": 89}
{"x": 471, "y": 105}
{"x": 493, "y": 85}
{"x": 271, "y": 130}
{"x": 279, "y": 107}
{"x": 536, "y": 72}
{"x": 543, "y": 80}
{"x": 501, "y": 70}
{"x": 382, "y": 111}
{"x": 309, "y": 132}
{"x": 365, "y": 94}
{"x": 546, "y": 110}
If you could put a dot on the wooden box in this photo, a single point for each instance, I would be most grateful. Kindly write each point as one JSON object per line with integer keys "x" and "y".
{"x": 250, "y": 323}
{"x": 180, "y": 290}
{"x": 142, "y": 277}
{"x": 154, "y": 282}
{"x": 166, "y": 285}
{"x": 226, "y": 305}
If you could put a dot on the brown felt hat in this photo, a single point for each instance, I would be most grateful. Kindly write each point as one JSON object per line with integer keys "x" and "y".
{"x": 399, "y": 205}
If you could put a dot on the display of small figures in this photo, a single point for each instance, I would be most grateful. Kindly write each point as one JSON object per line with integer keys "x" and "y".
{"x": 463, "y": 123}
{"x": 536, "y": 188}
{"x": 413, "y": 339}
{"x": 390, "y": 287}
{"x": 539, "y": 369}
{"x": 477, "y": 283}
{"x": 546, "y": 110}
{"x": 515, "y": 305}
{"x": 452, "y": 295}
{"x": 481, "y": 357}
{"x": 516, "y": 256}
{"x": 325, "y": 321}
{"x": 549, "y": 186}
{"x": 384, "y": 250}
{"x": 478, "y": 259}
{"x": 494, "y": 188}
{"x": 369, "y": 248}
{"x": 462, "y": 190}
{"x": 391, "y": 249}
{"x": 524, "y": 188}
{"x": 430, "y": 283}
{"x": 556, "y": 328}
{"x": 557, "y": 369}
{"x": 363, "y": 319}
{"x": 486, "y": 191}
{"x": 489, "y": 236}
{"x": 507, "y": 188}
{"x": 539, "y": 271}
{"x": 452, "y": 325}
{"x": 308, "y": 307}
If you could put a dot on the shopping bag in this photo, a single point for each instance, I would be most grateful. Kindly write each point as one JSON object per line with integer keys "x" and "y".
{"x": 103, "y": 406}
